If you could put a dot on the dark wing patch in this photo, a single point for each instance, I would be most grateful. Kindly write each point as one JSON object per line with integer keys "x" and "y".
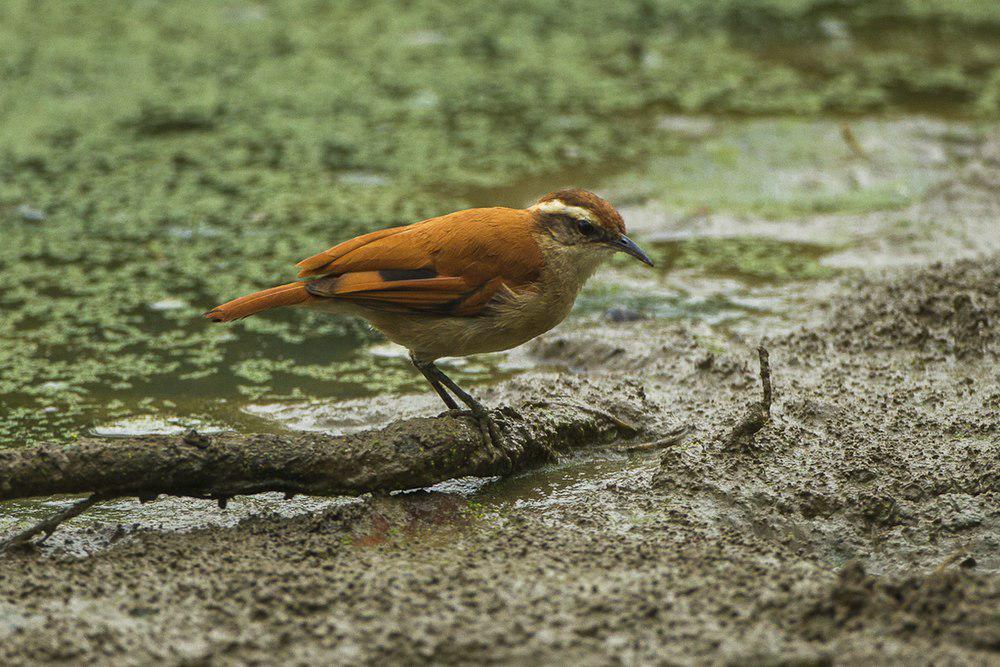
{"x": 390, "y": 275}
{"x": 440, "y": 294}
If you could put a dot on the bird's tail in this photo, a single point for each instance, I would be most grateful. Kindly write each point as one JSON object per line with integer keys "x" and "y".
{"x": 283, "y": 295}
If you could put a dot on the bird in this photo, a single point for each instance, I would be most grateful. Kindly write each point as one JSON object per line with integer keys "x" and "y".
{"x": 471, "y": 282}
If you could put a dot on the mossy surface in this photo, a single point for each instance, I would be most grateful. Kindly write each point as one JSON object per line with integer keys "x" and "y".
{"x": 748, "y": 258}
{"x": 158, "y": 158}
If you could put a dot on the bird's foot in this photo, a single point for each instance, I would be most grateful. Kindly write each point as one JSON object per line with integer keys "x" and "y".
{"x": 494, "y": 438}
{"x": 492, "y": 435}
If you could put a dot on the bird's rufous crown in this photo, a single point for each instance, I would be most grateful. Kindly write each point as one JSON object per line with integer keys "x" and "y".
{"x": 578, "y": 203}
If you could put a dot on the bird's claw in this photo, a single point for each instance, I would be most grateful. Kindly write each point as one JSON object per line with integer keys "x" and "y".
{"x": 492, "y": 435}
{"x": 496, "y": 441}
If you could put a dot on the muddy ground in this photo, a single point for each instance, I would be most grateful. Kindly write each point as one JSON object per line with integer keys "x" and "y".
{"x": 861, "y": 525}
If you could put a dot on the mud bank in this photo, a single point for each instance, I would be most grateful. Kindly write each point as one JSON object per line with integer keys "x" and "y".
{"x": 862, "y": 524}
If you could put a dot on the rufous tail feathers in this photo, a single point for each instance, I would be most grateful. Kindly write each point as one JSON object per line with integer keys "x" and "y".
{"x": 251, "y": 304}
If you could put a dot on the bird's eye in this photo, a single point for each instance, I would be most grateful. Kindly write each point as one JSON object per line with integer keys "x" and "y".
{"x": 586, "y": 227}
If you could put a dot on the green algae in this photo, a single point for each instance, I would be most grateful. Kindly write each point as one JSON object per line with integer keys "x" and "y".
{"x": 162, "y": 157}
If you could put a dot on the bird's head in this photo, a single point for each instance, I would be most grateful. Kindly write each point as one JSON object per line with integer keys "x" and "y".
{"x": 585, "y": 225}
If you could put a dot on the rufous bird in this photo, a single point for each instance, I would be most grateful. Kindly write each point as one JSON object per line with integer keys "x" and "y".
{"x": 474, "y": 281}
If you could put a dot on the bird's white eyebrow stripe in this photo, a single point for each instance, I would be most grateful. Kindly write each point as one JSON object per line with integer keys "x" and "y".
{"x": 557, "y": 207}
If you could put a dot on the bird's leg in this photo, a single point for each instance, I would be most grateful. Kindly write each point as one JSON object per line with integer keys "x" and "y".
{"x": 422, "y": 366}
{"x": 479, "y": 412}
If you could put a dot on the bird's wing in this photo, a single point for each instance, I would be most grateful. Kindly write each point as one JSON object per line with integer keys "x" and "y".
{"x": 327, "y": 261}
{"x": 452, "y": 265}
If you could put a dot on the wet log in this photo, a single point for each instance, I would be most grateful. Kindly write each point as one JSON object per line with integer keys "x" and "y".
{"x": 407, "y": 454}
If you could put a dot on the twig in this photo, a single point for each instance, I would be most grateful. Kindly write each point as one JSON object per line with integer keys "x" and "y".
{"x": 49, "y": 525}
{"x": 758, "y": 414}
{"x": 960, "y": 556}
{"x": 674, "y": 437}
{"x": 618, "y": 421}
{"x": 764, "y": 360}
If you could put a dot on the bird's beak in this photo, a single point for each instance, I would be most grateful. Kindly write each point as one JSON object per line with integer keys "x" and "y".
{"x": 625, "y": 244}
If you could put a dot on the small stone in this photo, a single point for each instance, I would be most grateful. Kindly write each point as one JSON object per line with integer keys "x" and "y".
{"x": 623, "y": 314}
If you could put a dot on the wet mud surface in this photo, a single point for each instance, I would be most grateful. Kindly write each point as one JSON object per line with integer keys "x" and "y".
{"x": 861, "y": 525}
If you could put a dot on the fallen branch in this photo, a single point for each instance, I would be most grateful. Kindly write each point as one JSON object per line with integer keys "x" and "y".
{"x": 758, "y": 414}
{"x": 407, "y": 454}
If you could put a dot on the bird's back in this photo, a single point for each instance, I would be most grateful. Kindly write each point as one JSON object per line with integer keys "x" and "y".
{"x": 453, "y": 265}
